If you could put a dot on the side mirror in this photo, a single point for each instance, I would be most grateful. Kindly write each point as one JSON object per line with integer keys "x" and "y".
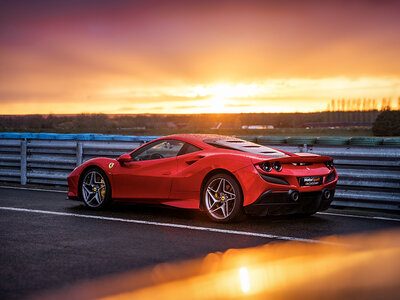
{"x": 124, "y": 158}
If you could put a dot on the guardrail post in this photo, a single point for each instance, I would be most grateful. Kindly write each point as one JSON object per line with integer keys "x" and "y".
{"x": 79, "y": 153}
{"x": 23, "y": 162}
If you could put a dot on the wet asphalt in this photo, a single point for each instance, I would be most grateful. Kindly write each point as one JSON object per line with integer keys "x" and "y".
{"x": 41, "y": 252}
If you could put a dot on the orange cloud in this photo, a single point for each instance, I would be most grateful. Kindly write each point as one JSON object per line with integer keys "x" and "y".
{"x": 82, "y": 55}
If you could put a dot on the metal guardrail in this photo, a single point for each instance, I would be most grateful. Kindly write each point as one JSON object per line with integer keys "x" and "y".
{"x": 369, "y": 177}
{"x": 50, "y": 161}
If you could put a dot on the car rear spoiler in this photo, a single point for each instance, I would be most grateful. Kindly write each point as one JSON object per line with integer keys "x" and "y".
{"x": 296, "y": 159}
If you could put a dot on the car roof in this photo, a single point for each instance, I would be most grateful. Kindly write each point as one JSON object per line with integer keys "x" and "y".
{"x": 207, "y": 141}
{"x": 196, "y": 136}
{"x": 195, "y": 139}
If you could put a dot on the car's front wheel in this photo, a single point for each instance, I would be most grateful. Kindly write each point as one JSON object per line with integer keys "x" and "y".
{"x": 222, "y": 198}
{"x": 95, "y": 189}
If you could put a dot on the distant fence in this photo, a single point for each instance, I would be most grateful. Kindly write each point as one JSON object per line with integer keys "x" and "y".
{"x": 368, "y": 168}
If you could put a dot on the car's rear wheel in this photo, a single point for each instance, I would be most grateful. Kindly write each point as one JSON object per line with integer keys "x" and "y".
{"x": 222, "y": 198}
{"x": 95, "y": 189}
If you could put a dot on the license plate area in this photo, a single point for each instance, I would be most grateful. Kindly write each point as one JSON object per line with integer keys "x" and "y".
{"x": 310, "y": 180}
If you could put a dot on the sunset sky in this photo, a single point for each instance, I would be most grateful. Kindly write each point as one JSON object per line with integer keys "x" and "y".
{"x": 120, "y": 56}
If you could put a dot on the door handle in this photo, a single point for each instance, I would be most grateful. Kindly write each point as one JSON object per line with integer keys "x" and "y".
{"x": 193, "y": 160}
{"x": 166, "y": 173}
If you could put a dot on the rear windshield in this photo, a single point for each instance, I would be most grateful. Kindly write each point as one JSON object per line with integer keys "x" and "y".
{"x": 244, "y": 146}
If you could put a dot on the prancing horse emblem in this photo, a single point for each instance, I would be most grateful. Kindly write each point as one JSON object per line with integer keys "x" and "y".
{"x": 111, "y": 165}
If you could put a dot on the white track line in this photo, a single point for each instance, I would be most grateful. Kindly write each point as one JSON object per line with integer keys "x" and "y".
{"x": 319, "y": 213}
{"x": 198, "y": 228}
{"x": 358, "y": 216}
{"x": 30, "y": 189}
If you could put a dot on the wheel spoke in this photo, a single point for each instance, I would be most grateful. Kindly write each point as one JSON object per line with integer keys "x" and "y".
{"x": 211, "y": 189}
{"x": 233, "y": 197}
{"x": 215, "y": 209}
{"x": 212, "y": 196}
{"x": 96, "y": 197}
{"x": 93, "y": 178}
{"x": 227, "y": 212}
{"x": 223, "y": 209}
{"x": 219, "y": 185}
{"x": 91, "y": 198}
{"x": 211, "y": 207}
{"x": 230, "y": 194}
{"x": 86, "y": 190}
{"x": 99, "y": 197}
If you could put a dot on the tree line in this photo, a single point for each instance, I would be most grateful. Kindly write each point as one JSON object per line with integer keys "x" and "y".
{"x": 143, "y": 122}
{"x": 365, "y": 104}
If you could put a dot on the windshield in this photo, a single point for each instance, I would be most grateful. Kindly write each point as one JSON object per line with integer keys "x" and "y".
{"x": 244, "y": 146}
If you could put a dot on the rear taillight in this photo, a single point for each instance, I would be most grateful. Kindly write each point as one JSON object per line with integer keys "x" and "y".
{"x": 266, "y": 166}
{"x": 277, "y": 166}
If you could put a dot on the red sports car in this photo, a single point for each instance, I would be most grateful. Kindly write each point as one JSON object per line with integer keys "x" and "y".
{"x": 224, "y": 176}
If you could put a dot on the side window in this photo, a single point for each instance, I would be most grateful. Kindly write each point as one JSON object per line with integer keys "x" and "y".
{"x": 161, "y": 149}
{"x": 188, "y": 148}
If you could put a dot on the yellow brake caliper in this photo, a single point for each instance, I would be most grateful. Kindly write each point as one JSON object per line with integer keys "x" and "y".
{"x": 217, "y": 197}
{"x": 103, "y": 190}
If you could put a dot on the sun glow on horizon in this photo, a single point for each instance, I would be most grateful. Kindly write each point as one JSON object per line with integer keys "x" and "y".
{"x": 271, "y": 95}
{"x": 220, "y": 98}
{"x": 217, "y": 104}
{"x": 239, "y": 90}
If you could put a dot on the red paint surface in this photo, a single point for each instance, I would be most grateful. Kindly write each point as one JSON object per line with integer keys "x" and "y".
{"x": 177, "y": 181}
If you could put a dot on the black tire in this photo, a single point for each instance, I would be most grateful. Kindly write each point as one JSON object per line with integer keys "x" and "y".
{"x": 95, "y": 189}
{"x": 222, "y": 198}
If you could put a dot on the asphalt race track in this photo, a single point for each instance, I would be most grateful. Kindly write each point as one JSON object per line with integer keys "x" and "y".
{"x": 48, "y": 243}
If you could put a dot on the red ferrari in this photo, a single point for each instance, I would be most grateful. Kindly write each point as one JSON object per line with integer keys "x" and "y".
{"x": 224, "y": 176}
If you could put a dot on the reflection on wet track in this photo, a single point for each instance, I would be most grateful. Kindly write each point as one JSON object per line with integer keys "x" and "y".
{"x": 288, "y": 270}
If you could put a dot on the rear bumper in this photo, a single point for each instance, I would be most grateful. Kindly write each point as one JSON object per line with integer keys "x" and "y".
{"x": 280, "y": 202}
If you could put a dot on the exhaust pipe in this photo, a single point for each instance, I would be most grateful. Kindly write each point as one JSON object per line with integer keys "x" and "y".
{"x": 294, "y": 195}
{"x": 327, "y": 194}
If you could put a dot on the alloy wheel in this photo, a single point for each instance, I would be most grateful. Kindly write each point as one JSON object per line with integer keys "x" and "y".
{"x": 220, "y": 198}
{"x": 94, "y": 189}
